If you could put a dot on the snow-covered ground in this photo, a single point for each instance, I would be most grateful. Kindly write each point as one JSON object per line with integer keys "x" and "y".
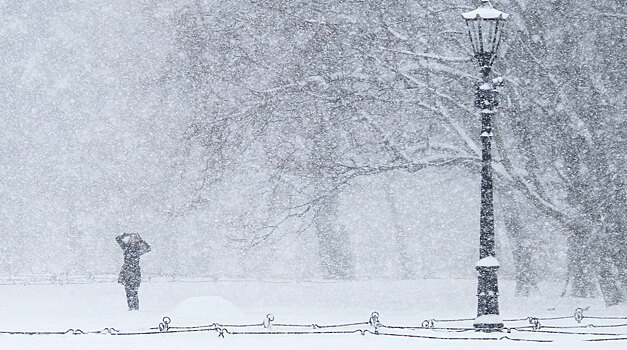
{"x": 92, "y": 307}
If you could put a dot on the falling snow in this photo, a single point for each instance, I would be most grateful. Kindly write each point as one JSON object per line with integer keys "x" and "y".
{"x": 318, "y": 160}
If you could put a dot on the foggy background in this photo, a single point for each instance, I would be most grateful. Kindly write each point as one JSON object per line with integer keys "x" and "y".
{"x": 310, "y": 139}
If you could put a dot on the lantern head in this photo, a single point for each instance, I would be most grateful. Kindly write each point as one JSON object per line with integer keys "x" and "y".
{"x": 485, "y": 25}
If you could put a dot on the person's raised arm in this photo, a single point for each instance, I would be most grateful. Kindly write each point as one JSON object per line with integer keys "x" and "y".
{"x": 145, "y": 247}
{"x": 120, "y": 240}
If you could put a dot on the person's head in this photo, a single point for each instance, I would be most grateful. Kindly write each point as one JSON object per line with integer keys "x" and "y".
{"x": 134, "y": 238}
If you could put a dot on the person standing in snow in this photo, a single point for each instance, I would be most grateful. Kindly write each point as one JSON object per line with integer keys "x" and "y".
{"x": 130, "y": 275}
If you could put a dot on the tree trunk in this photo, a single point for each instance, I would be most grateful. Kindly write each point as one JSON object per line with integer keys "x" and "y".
{"x": 400, "y": 236}
{"x": 580, "y": 269}
{"x": 336, "y": 258}
{"x": 612, "y": 294}
{"x": 620, "y": 257}
{"x": 522, "y": 250}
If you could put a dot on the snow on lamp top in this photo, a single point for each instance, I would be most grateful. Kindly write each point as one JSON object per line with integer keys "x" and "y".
{"x": 485, "y": 11}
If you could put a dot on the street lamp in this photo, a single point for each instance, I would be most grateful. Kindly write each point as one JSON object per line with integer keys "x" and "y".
{"x": 485, "y": 25}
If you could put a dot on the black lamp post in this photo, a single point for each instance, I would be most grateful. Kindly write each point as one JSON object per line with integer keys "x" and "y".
{"x": 485, "y": 25}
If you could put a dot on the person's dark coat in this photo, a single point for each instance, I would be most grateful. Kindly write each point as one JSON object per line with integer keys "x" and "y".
{"x": 130, "y": 275}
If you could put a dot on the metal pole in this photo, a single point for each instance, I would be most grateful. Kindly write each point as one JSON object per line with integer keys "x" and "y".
{"x": 487, "y": 289}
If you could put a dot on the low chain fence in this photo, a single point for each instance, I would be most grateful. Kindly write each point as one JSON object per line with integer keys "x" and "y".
{"x": 524, "y": 329}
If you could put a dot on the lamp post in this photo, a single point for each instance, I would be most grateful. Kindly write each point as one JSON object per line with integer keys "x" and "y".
{"x": 485, "y": 26}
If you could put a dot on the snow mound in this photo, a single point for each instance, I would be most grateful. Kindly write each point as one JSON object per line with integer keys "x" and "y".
{"x": 207, "y": 308}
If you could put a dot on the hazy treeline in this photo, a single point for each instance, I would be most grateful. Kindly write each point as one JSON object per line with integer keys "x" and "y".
{"x": 308, "y": 139}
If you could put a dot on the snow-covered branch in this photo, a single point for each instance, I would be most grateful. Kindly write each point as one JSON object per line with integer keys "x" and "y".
{"x": 428, "y": 55}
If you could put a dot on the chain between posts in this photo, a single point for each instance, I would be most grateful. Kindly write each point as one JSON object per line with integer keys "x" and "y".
{"x": 271, "y": 328}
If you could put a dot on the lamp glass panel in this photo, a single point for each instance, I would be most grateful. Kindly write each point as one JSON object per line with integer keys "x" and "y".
{"x": 473, "y": 31}
{"x": 488, "y": 34}
{"x": 497, "y": 34}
